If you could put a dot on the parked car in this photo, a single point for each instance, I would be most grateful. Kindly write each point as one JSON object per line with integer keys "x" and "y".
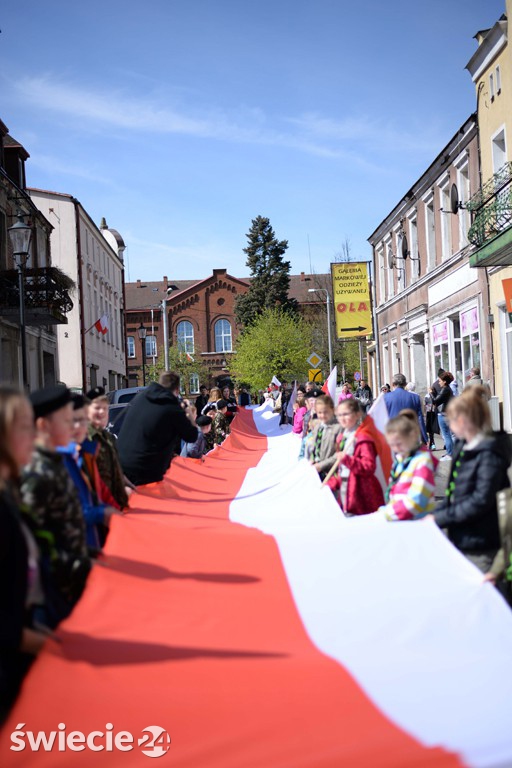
{"x": 123, "y": 395}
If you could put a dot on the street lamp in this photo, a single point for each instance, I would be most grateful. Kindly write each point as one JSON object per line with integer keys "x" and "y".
{"x": 328, "y": 302}
{"x": 20, "y": 234}
{"x": 142, "y": 336}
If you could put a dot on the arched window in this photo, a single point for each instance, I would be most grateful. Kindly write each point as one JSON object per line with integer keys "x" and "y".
{"x": 185, "y": 336}
{"x": 223, "y": 336}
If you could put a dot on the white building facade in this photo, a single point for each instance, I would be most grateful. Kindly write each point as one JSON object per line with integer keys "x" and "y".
{"x": 93, "y": 258}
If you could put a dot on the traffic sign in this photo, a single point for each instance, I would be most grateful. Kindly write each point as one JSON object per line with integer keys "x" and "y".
{"x": 315, "y": 374}
{"x": 357, "y": 376}
{"x": 314, "y": 360}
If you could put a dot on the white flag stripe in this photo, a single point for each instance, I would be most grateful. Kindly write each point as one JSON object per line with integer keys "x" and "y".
{"x": 394, "y": 603}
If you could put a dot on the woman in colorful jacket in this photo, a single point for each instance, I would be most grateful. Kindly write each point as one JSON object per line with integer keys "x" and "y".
{"x": 410, "y": 493}
{"x": 354, "y": 484}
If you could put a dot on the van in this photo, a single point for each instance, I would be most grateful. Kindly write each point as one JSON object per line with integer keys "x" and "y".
{"x": 118, "y": 396}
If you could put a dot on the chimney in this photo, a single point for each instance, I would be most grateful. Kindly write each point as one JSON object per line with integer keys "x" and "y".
{"x": 302, "y": 277}
{"x": 138, "y": 284}
{"x": 166, "y": 282}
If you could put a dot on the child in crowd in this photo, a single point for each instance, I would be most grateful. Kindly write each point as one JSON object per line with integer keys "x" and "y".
{"x": 220, "y": 423}
{"x": 354, "y": 484}
{"x": 198, "y": 449}
{"x": 308, "y": 421}
{"x": 107, "y": 457}
{"x": 410, "y": 493}
{"x": 211, "y": 405}
{"x": 480, "y": 462}
{"x": 346, "y": 392}
{"x": 299, "y": 411}
{"x": 96, "y": 512}
{"x": 324, "y": 433}
{"x": 20, "y": 588}
{"x": 51, "y": 506}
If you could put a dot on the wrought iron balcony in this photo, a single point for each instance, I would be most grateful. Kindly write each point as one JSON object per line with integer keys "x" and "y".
{"x": 47, "y": 299}
{"x": 492, "y": 207}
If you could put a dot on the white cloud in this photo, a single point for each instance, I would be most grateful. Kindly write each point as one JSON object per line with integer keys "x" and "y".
{"x": 350, "y": 139}
{"x": 53, "y": 166}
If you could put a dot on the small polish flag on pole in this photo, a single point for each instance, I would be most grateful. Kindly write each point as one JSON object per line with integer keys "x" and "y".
{"x": 101, "y": 325}
{"x": 329, "y": 387}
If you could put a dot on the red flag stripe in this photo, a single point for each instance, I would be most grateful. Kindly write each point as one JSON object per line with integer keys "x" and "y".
{"x": 189, "y": 624}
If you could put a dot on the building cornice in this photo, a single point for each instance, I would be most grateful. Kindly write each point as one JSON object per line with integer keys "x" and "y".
{"x": 493, "y": 43}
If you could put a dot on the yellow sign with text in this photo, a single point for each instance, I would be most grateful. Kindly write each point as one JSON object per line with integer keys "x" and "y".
{"x": 351, "y": 298}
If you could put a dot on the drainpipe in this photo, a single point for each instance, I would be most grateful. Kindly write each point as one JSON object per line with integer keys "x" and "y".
{"x": 80, "y": 293}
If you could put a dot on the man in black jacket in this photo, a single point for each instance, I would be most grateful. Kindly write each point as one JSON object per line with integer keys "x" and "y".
{"x": 152, "y": 430}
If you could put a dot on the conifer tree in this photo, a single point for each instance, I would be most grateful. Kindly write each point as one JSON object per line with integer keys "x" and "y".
{"x": 270, "y": 274}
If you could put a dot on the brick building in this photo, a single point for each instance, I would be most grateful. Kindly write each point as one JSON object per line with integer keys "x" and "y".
{"x": 200, "y": 319}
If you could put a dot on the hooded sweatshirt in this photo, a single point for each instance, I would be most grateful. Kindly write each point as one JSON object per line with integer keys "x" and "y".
{"x": 151, "y": 434}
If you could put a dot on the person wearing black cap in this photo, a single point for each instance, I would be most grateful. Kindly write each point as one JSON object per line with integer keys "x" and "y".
{"x": 197, "y": 449}
{"x": 96, "y": 512}
{"x": 152, "y": 430}
{"x": 107, "y": 457}
{"x": 52, "y": 506}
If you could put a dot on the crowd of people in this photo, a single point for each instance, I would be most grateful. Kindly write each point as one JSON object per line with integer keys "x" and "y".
{"x": 63, "y": 477}
{"x": 344, "y": 453}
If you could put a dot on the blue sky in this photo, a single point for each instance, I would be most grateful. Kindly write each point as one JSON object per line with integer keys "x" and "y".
{"x": 182, "y": 121}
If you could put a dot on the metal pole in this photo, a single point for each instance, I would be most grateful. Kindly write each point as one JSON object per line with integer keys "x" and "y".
{"x": 329, "y": 339}
{"x": 143, "y": 341}
{"x": 21, "y": 288}
{"x": 166, "y": 335}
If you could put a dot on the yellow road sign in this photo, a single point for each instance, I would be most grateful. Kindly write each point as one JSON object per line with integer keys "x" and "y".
{"x": 314, "y": 360}
{"x": 315, "y": 374}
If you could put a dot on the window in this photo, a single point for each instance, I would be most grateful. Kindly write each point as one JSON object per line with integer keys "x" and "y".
{"x": 400, "y": 262}
{"x": 130, "y": 345}
{"x": 382, "y": 274}
{"x": 185, "y": 336}
{"x": 499, "y": 151}
{"x": 194, "y": 384}
{"x": 446, "y": 218}
{"x": 222, "y": 336}
{"x": 440, "y": 345}
{"x": 430, "y": 232}
{"x": 498, "y": 81}
{"x": 464, "y": 195}
{"x": 150, "y": 346}
{"x": 491, "y": 86}
{"x": 413, "y": 248}
{"x": 391, "y": 278}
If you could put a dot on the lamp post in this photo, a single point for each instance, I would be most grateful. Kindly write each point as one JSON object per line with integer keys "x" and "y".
{"x": 142, "y": 336}
{"x": 20, "y": 234}
{"x": 328, "y": 302}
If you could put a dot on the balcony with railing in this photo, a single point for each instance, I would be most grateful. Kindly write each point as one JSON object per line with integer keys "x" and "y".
{"x": 47, "y": 299}
{"x": 491, "y": 230}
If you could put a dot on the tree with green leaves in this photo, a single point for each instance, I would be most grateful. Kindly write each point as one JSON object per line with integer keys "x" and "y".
{"x": 270, "y": 275}
{"x": 276, "y": 343}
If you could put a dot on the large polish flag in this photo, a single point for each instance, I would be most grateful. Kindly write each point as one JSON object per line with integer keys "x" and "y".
{"x": 238, "y": 620}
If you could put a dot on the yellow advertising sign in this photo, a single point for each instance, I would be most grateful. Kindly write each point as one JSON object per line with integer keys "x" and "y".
{"x": 351, "y": 299}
